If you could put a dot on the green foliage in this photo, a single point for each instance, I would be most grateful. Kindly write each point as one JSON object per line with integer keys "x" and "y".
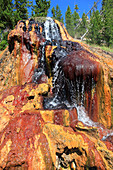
{"x": 95, "y": 28}
{"x": 6, "y": 21}
{"x": 76, "y": 8}
{"x": 3, "y": 43}
{"x": 76, "y": 20}
{"x": 30, "y": 5}
{"x": 84, "y": 20}
{"x": 53, "y": 11}
{"x": 41, "y": 8}
{"x": 76, "y": 16}
{"x": 107, "y": 13}
{"x": 69, "y": 22}
{"x": 80, "y": 31}
{"x": 11, "y": 13}
{"x": 6, "y": 14}
{"x": 57, "y": 14}
{"x": 101, "y": 25}
{"x": 20, "y": 10}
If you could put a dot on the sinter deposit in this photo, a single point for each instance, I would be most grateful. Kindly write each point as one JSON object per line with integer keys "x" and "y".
{"x": 55, "y": 101}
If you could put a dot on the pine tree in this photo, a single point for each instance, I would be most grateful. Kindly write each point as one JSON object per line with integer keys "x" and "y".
{"x": 81, "y": 30}
{"x": 20, "y": 10}
{"x": 6, "y": 14}
{"x": 76, "y": 16}
{"x": 6, "y": 21}
{"x": 84, "y": 20}
{"x": 57, "y": 14}
{"x": 31, "y": 6}
{"x": 41, "y": 8}
{"x": 95, "y": 28}
{"x": 53, "y": 11}
{"x": 69, "y": 22}
{"x": 107, "y": 13}
{"x": 76, "y": 20}
{"x": 83, "y": 25}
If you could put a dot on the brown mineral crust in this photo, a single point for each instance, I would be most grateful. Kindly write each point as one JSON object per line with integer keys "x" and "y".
{"x": 17, "y": 31}
{"x": 109, "y": 145}
{"x": 33, "y": 138}
{"x": 64, "y": 117}
{"x": 73, "y": 115}
{"x": 63, "y": 31}
{"x": 27, "y": 139}
{"x": 44, "y": 147}
{"x": 22, "y": 93}
{"x": 106, "y": 61}
{"x": 81, "y": 66}
{"x": 85, "y": 64}
{"x": 27, "y": 60}
{"x": 70, "y": 145}
{"x": 79, "y": 63}
{"x": 20, "y": 98}
{"x": 21, "y": 131}
{"x": 94, "y": 158}
{"x": 110, "y": 138}
{"x": 22, "y": 72}
{"x": 5, "y": 69}
{"x": 58, "y": 117}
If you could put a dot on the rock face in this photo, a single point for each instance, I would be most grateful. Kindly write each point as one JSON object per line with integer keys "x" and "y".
{"x": 55, "y": 101}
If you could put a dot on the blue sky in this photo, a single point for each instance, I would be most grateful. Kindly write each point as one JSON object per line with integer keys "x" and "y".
{"x": 84, "y": 5}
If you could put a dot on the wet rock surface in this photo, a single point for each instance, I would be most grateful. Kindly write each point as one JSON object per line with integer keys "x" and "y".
{"x": 55, "y": 101}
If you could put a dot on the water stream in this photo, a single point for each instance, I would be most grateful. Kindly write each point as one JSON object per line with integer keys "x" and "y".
{"x": 74, "y": 73}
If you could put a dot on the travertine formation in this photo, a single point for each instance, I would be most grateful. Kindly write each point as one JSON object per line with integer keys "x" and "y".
{"x": 55, "y": 101}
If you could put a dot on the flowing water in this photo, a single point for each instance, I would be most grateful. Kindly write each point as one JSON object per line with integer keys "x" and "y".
{"x": 73, "y": 74}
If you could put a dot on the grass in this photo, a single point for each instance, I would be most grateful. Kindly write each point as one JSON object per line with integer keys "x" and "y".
{"x": 108, "y": 49}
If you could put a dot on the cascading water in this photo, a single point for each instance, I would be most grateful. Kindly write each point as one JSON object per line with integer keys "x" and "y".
{"x": 74, "y": 73}
{"x": 52, "y": 37}
{"x": 51, "y": 31}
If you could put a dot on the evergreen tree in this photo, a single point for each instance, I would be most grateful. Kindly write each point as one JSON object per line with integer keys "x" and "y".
{"x": 53, "y": 11}
{"x": 107, "y": 13}
{"x": 83, "y": 25}
{"x": 41, "y": 8}
{"x": 20, "y": 10}
{"x": 81, "y": 30}
{"x": 76, "y": 16}
{"x": 69, "y": 22}
{"x": 76, "y": 20}
{"x": 84, "y": 20}
{"x": 6, "y": 14}
{"x": 31, "y": 6}
{"x": 6, "y": 21}
{"x": 95, "y": 28}
{"x": 57, "y": 14}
